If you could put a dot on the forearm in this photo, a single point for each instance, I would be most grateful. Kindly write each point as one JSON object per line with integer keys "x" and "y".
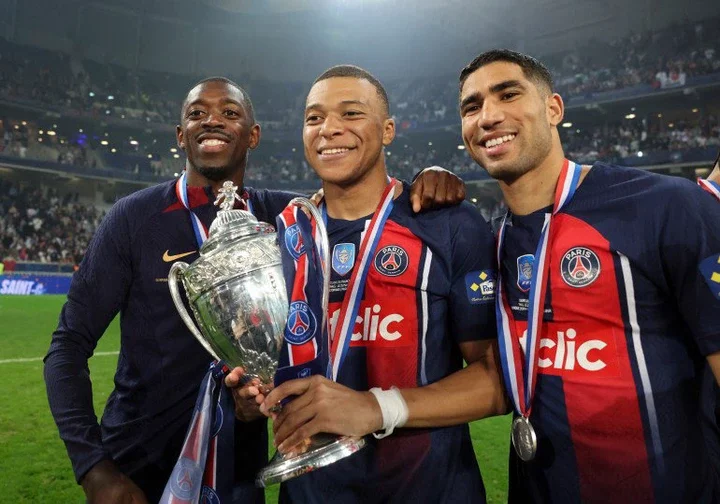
{"x": 472, "y": 393}
{"x": 69, "y": 393}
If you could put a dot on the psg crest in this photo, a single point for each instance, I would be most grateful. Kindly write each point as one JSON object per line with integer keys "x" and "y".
{"x": 301, "y": 324}
{"x": 186, "y": 476}
{"x": 580, "y": 267}
{"x": 293, "y": 241}
{"x": 391, "y": 261}
{"x": 524, "y": 271}
{"x": 343, "y": 258}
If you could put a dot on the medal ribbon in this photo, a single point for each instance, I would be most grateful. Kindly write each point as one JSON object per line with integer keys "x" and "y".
{"x": 342, "y": 333}
{"x": 711, "y": 187}
{"x": 520, "y": 377}
{"x": 201, "y": 232}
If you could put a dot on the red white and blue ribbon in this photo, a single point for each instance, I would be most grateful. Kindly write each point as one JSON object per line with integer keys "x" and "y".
{"x": 196, "y": 474}
{"x": 520, "y": 371}
{"x": 711, "y": 187}
{"x": 343, "y": 329}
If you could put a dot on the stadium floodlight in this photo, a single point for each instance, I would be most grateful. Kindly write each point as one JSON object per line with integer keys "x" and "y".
{"x": 630, "y": 116}
{"x": 104, "y": 142}
{"x": 149, "y": 156}
{"x": 640, "y": 154}
{"x": 24, "y": 123}
{"x": 175, "y": 174}
{"x": 40, "y": 132}
{"x": 173, "y": 150}
{"x": 113, "y": 150}
{"x": 430, "y": 143}
{"x": 111, "y": 97}
{"x": 695, "y": 111}
{"x": 461, "y": 147}
{"x": 51, "y": 133}
{"x": 91, "y": 94}
{"x": 176, "y": 156}
{"x": 567, "y": 125}
{"x": 80, "y": 130}
{"x": 133, "y": 142}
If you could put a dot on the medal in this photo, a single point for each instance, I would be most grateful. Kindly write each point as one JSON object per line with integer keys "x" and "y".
{"x": 524, "y": 439}
{"x": 520, "y": 368}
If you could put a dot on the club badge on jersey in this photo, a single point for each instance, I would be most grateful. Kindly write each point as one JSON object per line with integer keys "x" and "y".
{"x": 520, "y": 368}
{"x": 711, "y": 187}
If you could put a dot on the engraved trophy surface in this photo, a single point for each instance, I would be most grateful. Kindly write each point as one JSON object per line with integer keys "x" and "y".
{"x": 236, "y": 291}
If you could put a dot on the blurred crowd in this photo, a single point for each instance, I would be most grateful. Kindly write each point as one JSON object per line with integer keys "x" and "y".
{"x": 42, "y": 225}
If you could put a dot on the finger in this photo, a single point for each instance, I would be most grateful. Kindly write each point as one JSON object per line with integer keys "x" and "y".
{"x": 317, "y": 197}
{"x": 248, "y": 393}
{"x": 234, "y": 377}
{"x": 291, "y": 408}
{"x": 297, "y": 439}
{"x": 441, "y": 190}
{"x": 292, "y": 424}
{"x": 287, "y": 389}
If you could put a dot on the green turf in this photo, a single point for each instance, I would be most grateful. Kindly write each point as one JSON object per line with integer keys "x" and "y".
{"x": 33, "y": 462}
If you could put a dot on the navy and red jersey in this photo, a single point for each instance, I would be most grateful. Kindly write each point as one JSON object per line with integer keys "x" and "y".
{"x": 630, "y": 315}
{"x": 161, "y": 365}
{"x": 430, "y": 286}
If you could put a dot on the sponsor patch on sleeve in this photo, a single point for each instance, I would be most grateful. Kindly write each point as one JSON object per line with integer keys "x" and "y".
{"x": 480, "y": 286}
{"x": 710, "y": 270}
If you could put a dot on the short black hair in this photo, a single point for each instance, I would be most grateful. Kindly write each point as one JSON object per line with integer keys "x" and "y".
{"x": 531, "y": 67}
{"x": 357, "y": 73}
{"x": 247, "y": 102}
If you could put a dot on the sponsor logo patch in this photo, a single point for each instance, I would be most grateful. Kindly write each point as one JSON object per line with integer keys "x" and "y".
{"x": 710, "y": 270}
{"x": 480, "y": 286}
{"x": 301, "y": 323}
{"x": 391, "y": 261}
{"x": 343, "y": 258}
{"x": 579, "y": 267}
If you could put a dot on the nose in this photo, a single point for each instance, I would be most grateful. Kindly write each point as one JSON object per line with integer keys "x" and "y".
{"x": 213, "y": 120}
{"x": 331, "y": 126}
{"x": 491, "y": 115}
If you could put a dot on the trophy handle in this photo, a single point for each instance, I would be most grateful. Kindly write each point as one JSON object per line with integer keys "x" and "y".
{"x": 176, "y": 271}
{"x": 322, "y": 245}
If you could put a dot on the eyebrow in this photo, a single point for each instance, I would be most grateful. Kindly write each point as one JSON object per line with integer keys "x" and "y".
{"x": 494, "y": 89}
{"x": 226, "y": 101}
{"x": 344, "y": 102}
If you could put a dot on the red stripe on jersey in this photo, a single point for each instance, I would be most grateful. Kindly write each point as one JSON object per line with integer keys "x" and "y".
{"x": 601, "y": 395}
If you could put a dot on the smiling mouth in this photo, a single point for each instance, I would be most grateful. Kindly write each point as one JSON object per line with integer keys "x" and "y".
{"x": 334, "y": 151}
{"x": 495, "y": 142}
{"x": 210, "y": 145}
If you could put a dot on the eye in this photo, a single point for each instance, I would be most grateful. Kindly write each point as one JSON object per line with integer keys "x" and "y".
{"x": 194, "y": 113}
{"x": 231, "y": 113}
{"x": 509, "y": 95}
{"x": 312, "y": 119}
{"x": 353, "y": 113}
{"x": 470, "y": 109}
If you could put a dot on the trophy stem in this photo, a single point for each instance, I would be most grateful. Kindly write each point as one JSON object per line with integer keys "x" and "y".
{"x": 324, "y": 450}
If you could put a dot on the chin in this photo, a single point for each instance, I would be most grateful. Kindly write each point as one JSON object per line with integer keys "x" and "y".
{"x": 215, "y": 173}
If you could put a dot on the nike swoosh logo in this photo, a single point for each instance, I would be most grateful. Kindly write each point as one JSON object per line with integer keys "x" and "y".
{"x": 170, "y": 258}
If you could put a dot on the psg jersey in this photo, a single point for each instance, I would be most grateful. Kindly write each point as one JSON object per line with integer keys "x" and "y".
{"x": 430, "y": 286}
{"x": 632, "y": 309}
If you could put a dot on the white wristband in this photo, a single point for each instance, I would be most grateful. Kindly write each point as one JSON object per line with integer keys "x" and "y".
{"x": 393, "y": 407}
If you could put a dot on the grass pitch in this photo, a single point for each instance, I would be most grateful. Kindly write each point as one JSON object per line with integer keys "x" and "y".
{"x": 33, "y": 462}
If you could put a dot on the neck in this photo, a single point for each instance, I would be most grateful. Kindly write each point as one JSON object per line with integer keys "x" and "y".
{"x": 536, "y": 188}
{"x": 356, "y": 200}
{"x": 715, "y": 175}
{"x": 197, "y": 179}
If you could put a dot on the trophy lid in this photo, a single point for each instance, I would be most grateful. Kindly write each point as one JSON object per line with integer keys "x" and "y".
{"x": 231, "y": 224}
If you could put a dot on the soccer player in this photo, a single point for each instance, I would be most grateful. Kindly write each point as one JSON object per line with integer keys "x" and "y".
{"x": 621, "y": 314}
{"x": 427, "y": 305}
{"x": 130, "y": 455}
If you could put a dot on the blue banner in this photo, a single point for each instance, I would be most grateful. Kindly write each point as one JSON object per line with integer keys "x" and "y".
{"x": 34, "y": 284}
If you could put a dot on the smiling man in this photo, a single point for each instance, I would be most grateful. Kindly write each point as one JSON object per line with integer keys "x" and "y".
{"x": 620, "y": 315}
{"x": 424, "y": 301}
{"x": 130, "y": 455}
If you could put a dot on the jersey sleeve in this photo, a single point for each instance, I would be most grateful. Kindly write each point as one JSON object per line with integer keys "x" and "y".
{"x": 96, "y": 294}
{"x": 690, "y": 251}
{"x": 473, "y": 277}
{"x": 268, "y": 204}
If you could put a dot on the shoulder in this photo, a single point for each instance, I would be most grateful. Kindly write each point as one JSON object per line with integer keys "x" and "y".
{"x": 269, "y": 203}
{"x": 146, "y": 201}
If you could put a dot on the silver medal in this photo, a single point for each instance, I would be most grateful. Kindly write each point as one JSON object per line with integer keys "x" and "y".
{"x": 524, "y": 439}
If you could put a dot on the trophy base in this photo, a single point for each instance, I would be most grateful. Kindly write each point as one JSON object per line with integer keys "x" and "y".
{"x": 324, "y": 449}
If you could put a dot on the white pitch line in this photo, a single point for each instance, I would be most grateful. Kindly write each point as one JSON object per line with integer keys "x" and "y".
{"x": 39, "y": 359}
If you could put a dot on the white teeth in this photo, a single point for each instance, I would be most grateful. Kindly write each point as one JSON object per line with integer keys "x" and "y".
{"x": 497, "y": 141}
{"x": 213, "y": 141}
{"x": 335, "y": 151}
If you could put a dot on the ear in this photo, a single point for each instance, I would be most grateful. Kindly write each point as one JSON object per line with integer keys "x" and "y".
{"x": 388, "y": 131}
{"x": 555, "y": 109}
{"x": 180, "y": 137}
{"x": 254, "y": 136}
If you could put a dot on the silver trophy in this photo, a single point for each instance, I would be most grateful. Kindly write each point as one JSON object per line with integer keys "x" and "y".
{"x": 236, "y": 291}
